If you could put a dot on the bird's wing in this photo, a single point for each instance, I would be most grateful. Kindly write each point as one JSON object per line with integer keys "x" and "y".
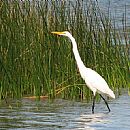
{"x": 96, "y": 82}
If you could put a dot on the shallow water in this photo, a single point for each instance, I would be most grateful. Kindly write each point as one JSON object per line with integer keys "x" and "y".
{"x": 118, "y": 10}
{"x": 64, "y": 114}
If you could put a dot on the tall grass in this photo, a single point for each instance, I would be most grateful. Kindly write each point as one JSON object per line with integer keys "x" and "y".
{"x": 34, "y": 62}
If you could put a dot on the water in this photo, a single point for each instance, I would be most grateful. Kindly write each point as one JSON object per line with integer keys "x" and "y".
{"x": 65, "y": 115}
{"x": 118, "y": 10}
{"x": 71, "y": 115}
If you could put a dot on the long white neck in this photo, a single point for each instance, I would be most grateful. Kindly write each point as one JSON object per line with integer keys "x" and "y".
{"x": 77, "y": 56}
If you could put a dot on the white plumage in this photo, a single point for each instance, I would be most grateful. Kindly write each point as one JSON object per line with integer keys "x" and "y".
{"x": 93, "y": 80}
{"x": 96, "y": 83}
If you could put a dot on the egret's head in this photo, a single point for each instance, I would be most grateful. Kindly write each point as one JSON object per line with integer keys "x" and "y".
{"x": 65, "y": 33}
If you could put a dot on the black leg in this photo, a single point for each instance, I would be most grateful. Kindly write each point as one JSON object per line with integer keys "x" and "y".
{"x": 93, "y": 105}
{"x": 105, "y": 102}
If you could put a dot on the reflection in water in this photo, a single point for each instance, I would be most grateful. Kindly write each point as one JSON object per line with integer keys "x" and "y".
{"x": 63, "y": 114}
{"x": 87, "y": 121}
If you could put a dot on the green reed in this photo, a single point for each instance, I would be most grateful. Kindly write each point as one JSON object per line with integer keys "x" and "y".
{"x": 35, "y": 62}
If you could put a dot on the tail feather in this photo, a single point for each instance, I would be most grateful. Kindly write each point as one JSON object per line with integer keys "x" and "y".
{"x": 111, "y": 94}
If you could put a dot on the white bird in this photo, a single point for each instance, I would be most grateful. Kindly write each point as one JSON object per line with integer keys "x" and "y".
{"x": 92, "y": 79}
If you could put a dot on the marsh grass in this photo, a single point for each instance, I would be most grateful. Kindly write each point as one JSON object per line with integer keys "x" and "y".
{"x": 34, "y": 62}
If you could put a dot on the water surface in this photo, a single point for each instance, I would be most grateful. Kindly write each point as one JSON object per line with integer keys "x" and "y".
{"x": 65, "y": 115}
{"x": 118, "y": 10}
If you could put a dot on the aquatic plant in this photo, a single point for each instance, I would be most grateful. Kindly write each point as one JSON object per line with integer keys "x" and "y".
{"x": 34, "y": 62}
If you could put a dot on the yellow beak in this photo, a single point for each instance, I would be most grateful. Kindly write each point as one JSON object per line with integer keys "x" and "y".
{"x": 58, "y": 33}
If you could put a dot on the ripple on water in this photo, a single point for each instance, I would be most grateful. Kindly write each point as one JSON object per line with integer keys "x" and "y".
{"x": 63, "y": 114}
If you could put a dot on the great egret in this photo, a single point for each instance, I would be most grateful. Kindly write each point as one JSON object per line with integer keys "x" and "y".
{"x": 92, "y": 79}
